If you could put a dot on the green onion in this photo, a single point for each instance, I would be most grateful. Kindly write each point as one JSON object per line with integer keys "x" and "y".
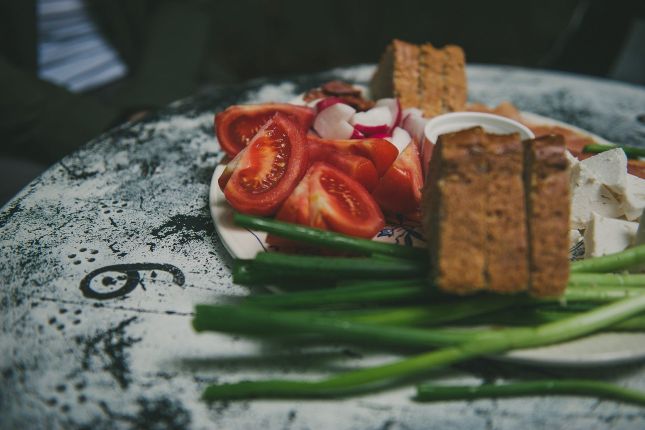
{"x": 630, "y": 151}
{"x": 607, "y": 279}
{"x": 487, "y": 343}
{"x": 611, "y": 263}
{"x": 575, "y": 387}
{"x": 274, "y": 267}
{"x": 360, "y": 293}
{"x": 358, "y": 327}
{"x": 327, "y": 239}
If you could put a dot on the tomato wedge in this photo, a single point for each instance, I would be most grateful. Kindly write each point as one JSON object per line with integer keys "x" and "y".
{"x": 266, "y": 171}
{"x": 399, "y": 190}
{"x": 236, "y": 126}
{"x": 295, "y": 208}
{"x": 339, "y": 203}
{"x": 381, "y": 152}
{"x": 358, "y": 167}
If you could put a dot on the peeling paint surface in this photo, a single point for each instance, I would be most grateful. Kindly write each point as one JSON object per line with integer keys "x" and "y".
{"x": 104, "y": 256}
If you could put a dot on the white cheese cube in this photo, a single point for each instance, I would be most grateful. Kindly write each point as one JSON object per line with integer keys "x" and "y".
{"x": 607, "y": 236}
{"x": 589, "y": 195}
{"x": 633, "y": 199}
{"x": 610, "y": 168}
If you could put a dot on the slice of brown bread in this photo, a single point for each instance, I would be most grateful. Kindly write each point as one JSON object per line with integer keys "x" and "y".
{"x": 431, "y": 80}
{"x": 397, "y": 74}
{"x": 506, "y": 236}
{"x": 424, "y": 77}
{"x": 548, "y": 205}
{"x": 455, "y": 85}
{"x": 455, "y": 212}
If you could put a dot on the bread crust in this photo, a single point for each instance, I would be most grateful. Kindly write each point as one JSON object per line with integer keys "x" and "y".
{"x": 548, "y": 207}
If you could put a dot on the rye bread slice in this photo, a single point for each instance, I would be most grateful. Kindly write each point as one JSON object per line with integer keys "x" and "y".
{"x": 397, "y": 74}
{"x": 455, "y": 212}
{"x": 442, "y": 79}
{"x": 455, "y": 85}
{"x": 548, "y": 206}
{"x": 506, "y": 231}
{"x": 431, "y": 85}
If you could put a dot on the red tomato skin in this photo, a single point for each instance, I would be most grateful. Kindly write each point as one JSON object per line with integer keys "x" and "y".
{"x": 399, "y": 190}
{"x": 381, "y": 152}
{"x": 339, "y": 203}
{"x": 358, "y": 167}
{"x": 253, "y": 160}
{"x": 236, "y": 125}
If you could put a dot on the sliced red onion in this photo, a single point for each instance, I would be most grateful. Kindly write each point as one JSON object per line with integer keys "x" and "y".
{"x": 333, "y": 122}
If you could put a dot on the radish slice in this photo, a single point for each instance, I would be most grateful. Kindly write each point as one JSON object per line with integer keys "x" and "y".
{"x": 394, "y": 106}
{"x": 410, "y": 111}
{"x": 375, "y": 117}
{"x": 333, "y": 122}
{"x": 400, "y": 138}
{"x": 327, "y": 102}
{"x": 357, "y": 134}
{"x": 414, "y": 123}
{"x": 370, "y": 130}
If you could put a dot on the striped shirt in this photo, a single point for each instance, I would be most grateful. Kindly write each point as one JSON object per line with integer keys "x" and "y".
{"x": 72, "y": 53}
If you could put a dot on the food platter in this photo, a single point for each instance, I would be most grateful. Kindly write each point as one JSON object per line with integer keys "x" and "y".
{"x": 597, "y": 350}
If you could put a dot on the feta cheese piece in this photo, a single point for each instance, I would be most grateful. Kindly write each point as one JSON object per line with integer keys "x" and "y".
{"x": 589, "y": 195}
{"x": 633, "y": 199}
{"x": 607, "y": 236}
{"x": 610, "y": 168}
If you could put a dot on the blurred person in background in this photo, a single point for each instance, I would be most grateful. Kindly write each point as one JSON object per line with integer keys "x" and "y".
{"x": 70, "y": 69}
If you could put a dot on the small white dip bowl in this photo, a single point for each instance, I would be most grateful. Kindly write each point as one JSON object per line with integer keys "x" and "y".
{"x": 456, "y": 121}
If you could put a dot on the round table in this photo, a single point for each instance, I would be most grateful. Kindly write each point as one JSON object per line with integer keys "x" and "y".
{"x": 105, "y": 255}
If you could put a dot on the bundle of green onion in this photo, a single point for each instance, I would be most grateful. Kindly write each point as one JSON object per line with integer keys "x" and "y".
{"x": 382, "y": 299}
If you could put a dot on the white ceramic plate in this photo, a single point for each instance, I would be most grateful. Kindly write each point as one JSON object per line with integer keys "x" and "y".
{"x": 597, "y": 350}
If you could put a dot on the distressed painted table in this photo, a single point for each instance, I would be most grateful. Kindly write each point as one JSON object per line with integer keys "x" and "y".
{"x": 104, "y": 256}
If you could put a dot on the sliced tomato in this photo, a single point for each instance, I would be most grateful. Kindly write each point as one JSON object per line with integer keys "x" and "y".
{"x": 358, "y": 167}
{"x": 295, "y": 208}
{"x": 236, "y": 126}
{"x": 339, "y": 203}
{"x": 381, "y": 152}
{"x": 267, "y": 170}
{"x": 399, "y": 190}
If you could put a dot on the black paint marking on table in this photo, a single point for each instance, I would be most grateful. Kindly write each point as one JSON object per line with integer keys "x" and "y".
{"x": 131, "y": 276}
{"x": 108, "y": 349}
